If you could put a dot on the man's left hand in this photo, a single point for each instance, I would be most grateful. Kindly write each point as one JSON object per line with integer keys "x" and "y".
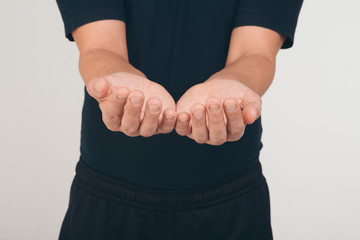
{"x": 217, "y": 111}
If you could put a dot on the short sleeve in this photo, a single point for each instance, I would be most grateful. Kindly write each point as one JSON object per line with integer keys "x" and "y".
{"x": 76, "y": 13}
{"x": 278, "y": 15}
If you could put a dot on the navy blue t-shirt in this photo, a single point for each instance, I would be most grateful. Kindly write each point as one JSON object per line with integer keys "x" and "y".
{"x": 176, "y": 43}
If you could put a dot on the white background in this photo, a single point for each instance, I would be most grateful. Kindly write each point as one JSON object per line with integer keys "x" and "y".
{"x": 311, "y": 116}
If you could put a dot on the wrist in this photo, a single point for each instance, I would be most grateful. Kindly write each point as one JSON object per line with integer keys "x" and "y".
{"x": 254, "y": 72}
{"x": 100, "y": 63}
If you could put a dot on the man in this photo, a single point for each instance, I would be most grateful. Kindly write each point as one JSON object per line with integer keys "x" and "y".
{"x": 151, "y": 66}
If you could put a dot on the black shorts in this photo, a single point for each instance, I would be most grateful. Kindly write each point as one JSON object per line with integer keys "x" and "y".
{"x": 236, "y": 208}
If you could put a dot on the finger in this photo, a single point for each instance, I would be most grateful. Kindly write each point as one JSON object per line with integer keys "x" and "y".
{"x": 98, "y": 88}
{"x": 112, "y": 109}
{"x": 182, "y": 124}
{"x": 217, "y": 128}
{"x": 199, "y": 129}
{"x": 251, "y": 108}
{"x": 130, "y": 121}
{"x": 235, "y": 123}
{"x": 150, "y": 122}
{"x": 168, "y": 121}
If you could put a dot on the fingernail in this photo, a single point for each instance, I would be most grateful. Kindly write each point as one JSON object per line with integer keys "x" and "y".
{"x": 213, "y": 107}
{"x": 169, "y": 116}
{"x": 135, "y": 101}
{"x": 230, "y": 107}
{"x": 198, "y": 114}
{"x": 121, "y": 97}
{"x": 182, "y": 120}
{"x": 153, "y": 108}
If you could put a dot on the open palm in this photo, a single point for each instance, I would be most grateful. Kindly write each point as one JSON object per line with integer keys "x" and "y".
{"x": 133, "y": 104}
{"x": 216, "y": 111}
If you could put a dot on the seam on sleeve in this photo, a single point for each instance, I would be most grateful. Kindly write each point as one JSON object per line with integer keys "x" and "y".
{"x": 267, "y": 22}
{"x": 92, "y": 15}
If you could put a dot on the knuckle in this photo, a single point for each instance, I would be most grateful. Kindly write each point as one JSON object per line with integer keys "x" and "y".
{"x": 165, "y": 130}
{"x": 111, "y": 125}
{"x": 218, "y": 133}
{"x": 111, "y": 128}
{"x": 182, "y": 127}
{"x": 237, "y": 132}
{"x": 232, "y": 138}
{"x": 129, "y": 130}
{"x": 131, "y": 134}
{"x": 218, "y": 141}
{"x": 200, "y": 136}
{"x": 180, "y": 131}
{"x": 146, "y": 133}
{"x": 200, "y": 140}
{"x": 216, "y": 120}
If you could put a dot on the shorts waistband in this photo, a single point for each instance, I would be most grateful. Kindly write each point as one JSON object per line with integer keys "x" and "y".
{"x": 113, "y": 189}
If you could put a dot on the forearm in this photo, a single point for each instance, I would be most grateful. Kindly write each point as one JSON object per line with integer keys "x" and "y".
{"x": 256, "y": 71}
{"x": 100, "y": 62}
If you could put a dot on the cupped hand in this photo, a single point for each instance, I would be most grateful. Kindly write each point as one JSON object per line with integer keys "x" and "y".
{"x": 217, "y": 111}
{"x": 133, "y": 104}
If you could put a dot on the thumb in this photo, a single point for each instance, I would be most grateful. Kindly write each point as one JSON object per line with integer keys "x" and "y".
{"x": 251, "y": 109}
{"x": 98, "y": 88}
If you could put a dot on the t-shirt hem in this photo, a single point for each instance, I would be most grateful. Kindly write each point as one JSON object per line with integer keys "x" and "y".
{"x": 92, "y": 15}
{"x": 270, "y": 23}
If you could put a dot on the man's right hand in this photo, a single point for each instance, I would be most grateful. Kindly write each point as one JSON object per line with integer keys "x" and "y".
{"x": 133, "y": 104}
{"x": 130, "y": 103}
